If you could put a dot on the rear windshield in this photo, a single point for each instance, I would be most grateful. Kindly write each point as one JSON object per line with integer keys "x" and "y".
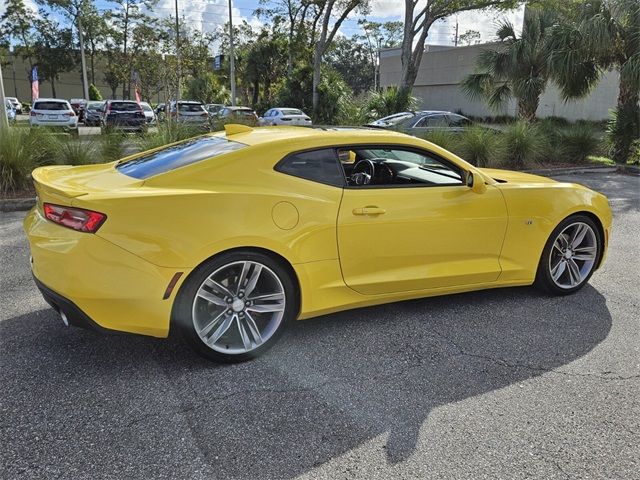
{"x": 146, "y": 108}
{"x": 190, "y": 107}
{"x": 125, "y": 106}
{"x": 51, "y": 106}
{"x": 185, "y": 153}
{"x": 94, "y": 106}
{"x": 291, "y": 111}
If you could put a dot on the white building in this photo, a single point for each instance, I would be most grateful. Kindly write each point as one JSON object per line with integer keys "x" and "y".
{"x": 437, "y": 86}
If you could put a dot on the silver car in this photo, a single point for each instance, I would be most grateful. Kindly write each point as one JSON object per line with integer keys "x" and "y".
{"x": 53, "y": 112}
{"x": 189, "y": 113}
{"x": 15, "y": 103}
{"x": 285, "y": 116}
{"x": 149, "y": 114}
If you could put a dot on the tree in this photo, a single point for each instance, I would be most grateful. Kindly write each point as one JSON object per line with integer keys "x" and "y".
{"x": 470, "y": 37}
{"x": 600, "y": 36}
{"x": 53, "y": 49}
{"x": 353, "y": 61}
{"x": 16, "y": 23}
{"x": 517, "y": 68}
{"x": 417, "y": 23}
{"x": 208, "y": 89}
{"x": 265, "y": 64}
{"x": 330, "y": 8}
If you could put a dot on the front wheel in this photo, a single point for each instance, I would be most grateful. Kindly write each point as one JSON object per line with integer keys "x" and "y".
{"x": 235, "y": 306}
{"x": 570, "y": 256}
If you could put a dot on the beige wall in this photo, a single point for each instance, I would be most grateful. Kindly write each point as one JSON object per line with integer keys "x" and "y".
{"x": 442, "y": 69}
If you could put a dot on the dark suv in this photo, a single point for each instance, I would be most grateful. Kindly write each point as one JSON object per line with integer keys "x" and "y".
{"x": 125, "y": 115}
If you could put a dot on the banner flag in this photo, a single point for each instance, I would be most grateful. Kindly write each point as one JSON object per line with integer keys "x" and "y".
{"x": 35, "y": 84}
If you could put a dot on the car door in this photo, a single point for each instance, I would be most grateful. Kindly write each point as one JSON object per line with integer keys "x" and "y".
{"x": 419, "y": 236}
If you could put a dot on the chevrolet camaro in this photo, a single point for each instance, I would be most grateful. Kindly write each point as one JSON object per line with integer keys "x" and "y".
{"x": 228, "y": 237}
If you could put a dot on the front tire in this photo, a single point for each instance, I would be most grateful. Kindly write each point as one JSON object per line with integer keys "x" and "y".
{"x": 570, "y": 256}
{"x": 235, "y": 306}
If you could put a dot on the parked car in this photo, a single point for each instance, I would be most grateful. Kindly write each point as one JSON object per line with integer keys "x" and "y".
{"x": 285, "y": 116}
{"x": 161, "y": 112}
{"x": 229, "y": 238}
{"x": 11, "y": 111}
{"x": 189, "y": 112}
{"x": 419, "y": 122}
{"x": 78, "y": 105}
{"x": 15, "y": 103}
{"x": 214, "y": 109}
{"x": 92, "y": 114}
{"x": 149, "y": 114}
{"x": 55, "y": 113}
{"x": 124, "y": 115}
{"x": 244, "y": 114}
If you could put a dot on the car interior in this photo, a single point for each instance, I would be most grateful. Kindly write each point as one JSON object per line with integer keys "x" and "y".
{"x": 381, "y": 166}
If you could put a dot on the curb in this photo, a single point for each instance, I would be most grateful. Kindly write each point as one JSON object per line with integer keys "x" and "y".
{"x": 572, "y": 170}
{"x": 17, "y": 204}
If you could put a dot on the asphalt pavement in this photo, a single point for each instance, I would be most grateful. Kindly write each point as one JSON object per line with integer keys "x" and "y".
{"x": 507, "y": 384}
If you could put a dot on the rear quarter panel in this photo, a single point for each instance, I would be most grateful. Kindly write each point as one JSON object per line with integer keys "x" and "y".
{"x": 227, "y": 202}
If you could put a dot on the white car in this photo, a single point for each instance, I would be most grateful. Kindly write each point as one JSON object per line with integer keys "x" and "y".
{"x": 285, "y": 116}
{"x": 190, "y": 113}
{"x": 149, "y": 114}
{"x": 15, "y": 103}
{"x": 52, "y": 112}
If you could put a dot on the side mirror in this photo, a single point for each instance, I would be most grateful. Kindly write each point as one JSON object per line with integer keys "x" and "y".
{"x": 476, "y": 182}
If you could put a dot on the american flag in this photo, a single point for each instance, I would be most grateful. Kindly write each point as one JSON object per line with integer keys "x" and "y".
{"x": 35, "y": 84}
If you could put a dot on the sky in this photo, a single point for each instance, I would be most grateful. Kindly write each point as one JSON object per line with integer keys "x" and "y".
{"x": 209, "y": 15}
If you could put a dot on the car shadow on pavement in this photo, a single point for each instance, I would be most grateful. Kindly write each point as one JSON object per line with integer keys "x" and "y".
{"x": 329, "y": 386}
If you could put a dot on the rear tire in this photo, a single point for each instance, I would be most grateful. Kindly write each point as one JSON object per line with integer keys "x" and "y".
{"x": 235, "y": 306}
{"x": 570, "y": 256}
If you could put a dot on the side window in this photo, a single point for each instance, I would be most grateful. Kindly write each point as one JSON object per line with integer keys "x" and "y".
{"x": 438, "y": 121}
{"x": 268, "y": 113}
{"x": 422, "y": 123}
{"x": 459, "y": 121}
{"x": 318, "y": 166}
{"x": 384, "y": 167}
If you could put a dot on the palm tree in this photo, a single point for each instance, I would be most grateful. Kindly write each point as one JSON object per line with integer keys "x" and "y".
{"x": 602, "y": 35}
{"x": 518, "y": 67}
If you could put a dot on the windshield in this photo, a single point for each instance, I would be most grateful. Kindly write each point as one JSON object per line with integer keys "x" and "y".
{"x": 394, "y": 119}
{"x": 125, "y": 106}
{"x": 190, "y": 107}
{"x": 170, "y": 158}
{"x": 146, "y": 107}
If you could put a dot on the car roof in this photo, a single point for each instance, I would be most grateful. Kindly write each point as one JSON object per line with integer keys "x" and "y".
{"x": 327, "y": 135}
{"x": 51, "y": 100}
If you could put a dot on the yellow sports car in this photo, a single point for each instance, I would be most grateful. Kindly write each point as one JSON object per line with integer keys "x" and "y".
{"x": 230, "y": 236}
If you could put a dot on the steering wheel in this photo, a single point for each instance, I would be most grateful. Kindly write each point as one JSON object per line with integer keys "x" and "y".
{"x": 363, "y": 172}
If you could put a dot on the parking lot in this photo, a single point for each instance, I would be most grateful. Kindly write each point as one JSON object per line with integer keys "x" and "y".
{"x": 498, "y": 384}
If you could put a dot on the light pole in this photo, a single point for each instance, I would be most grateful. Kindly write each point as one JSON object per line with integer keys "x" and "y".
{"x": 177, "y": 56}
{"x": 4, "y": 122}
{"x": 85, "y": 86}
{"x": 232, "y": 61}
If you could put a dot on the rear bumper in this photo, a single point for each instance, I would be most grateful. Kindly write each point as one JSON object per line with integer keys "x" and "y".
{"x": 73, "y": 314}
{"x": 93, "y": 281}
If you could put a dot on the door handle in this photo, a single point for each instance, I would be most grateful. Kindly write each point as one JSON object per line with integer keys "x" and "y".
{"x": 369, "y": 211}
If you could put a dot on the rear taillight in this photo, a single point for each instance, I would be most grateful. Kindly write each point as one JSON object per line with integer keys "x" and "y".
{"x": 72, "y": 114}
{"x": 32, "y": 113}
{"x": 77, "y": 219}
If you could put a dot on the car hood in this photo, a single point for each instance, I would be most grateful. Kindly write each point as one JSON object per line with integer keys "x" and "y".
{"x": 510, "y": 176}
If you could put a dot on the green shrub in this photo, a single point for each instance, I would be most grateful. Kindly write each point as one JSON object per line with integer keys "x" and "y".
{"x": 447, "y": 140}
{"x": 576, "y": 143}
{"x": 94, "y": 93}
{"x": 353, "y": 111}
{"x": 481, "y": 146}
{"x": 383, "y": 103}
{"x": 524, "y": 144}
{"x": 16, "y": 161}
{"x": 168, "y": 132}
{"x": 111, "y": 146}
